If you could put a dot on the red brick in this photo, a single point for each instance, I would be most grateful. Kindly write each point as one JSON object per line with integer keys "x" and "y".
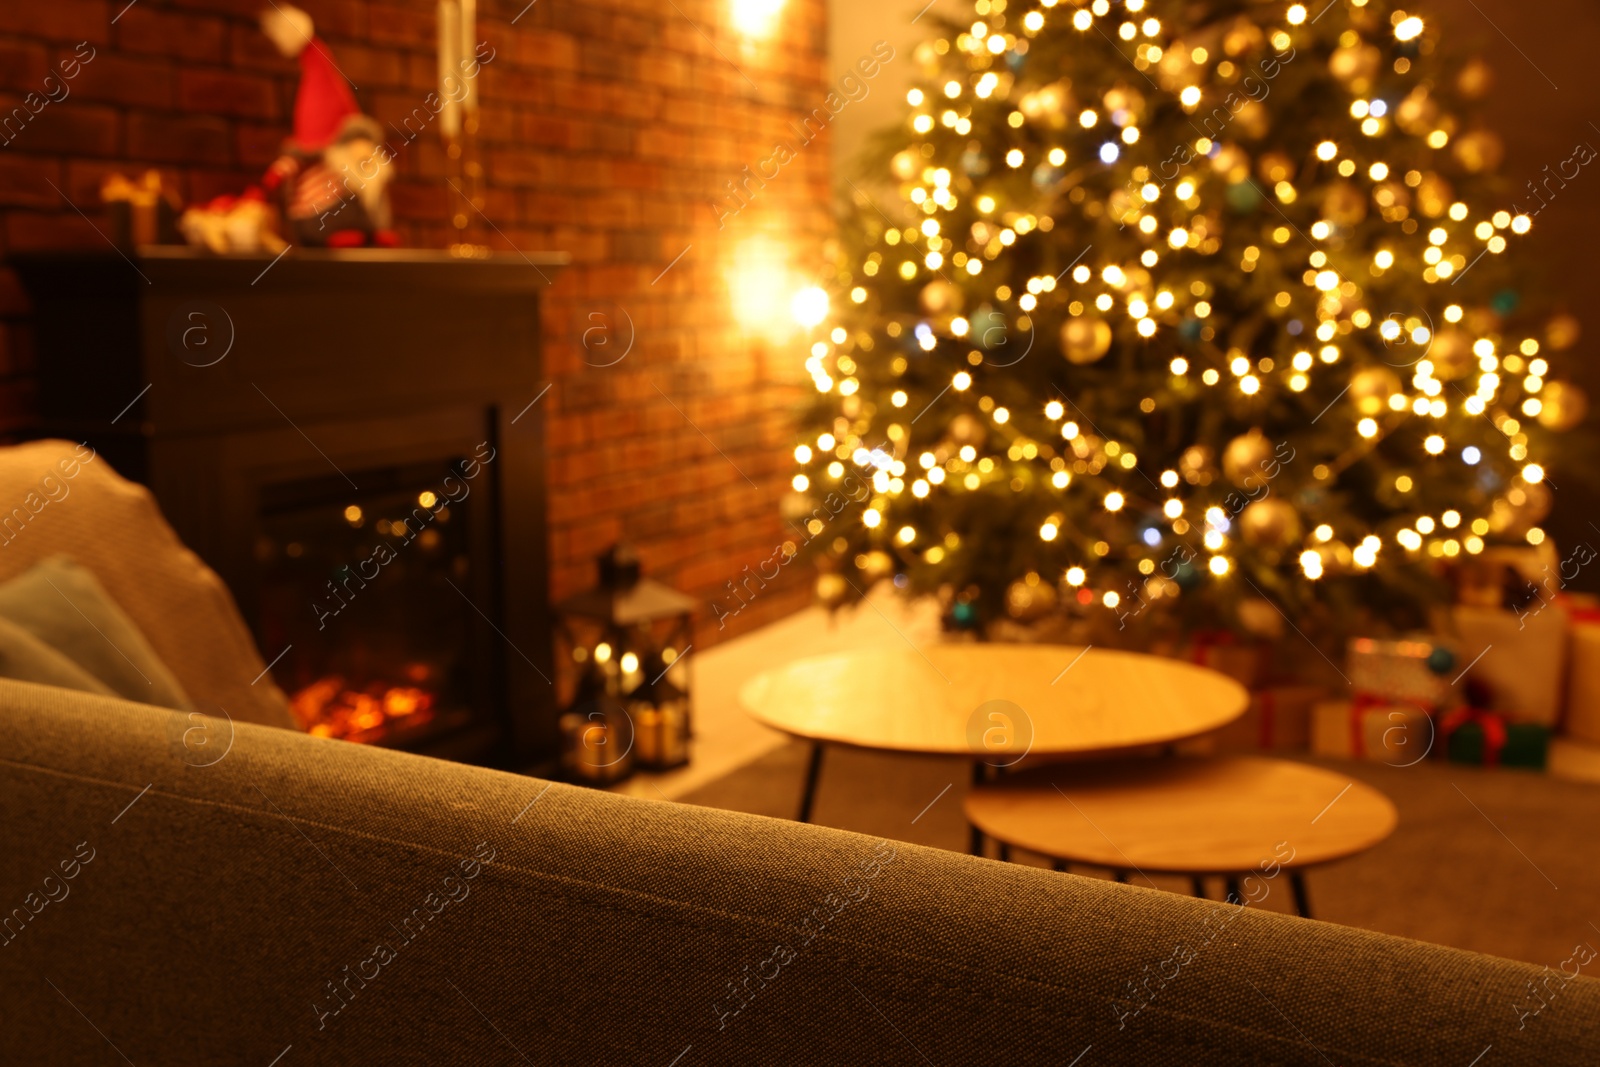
{"x": 23, "y": 65}
{"x": 143, "y": 28}
{"x": 57, "y": 20}
{"x": 81, "y": 129}
{"x": 258, "y": 146}
{"x": 25, "y": 181}
{"x": 250, "y": 49}
{"x": 115, "y": 79}
{"x": 218, "y": 93}
{"x": 171, "y": 139}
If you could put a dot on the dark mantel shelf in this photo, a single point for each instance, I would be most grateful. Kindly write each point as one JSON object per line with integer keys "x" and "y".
{"x": 338, "y": 331}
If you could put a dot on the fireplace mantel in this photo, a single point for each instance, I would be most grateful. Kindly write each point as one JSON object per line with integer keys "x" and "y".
{"x": 214, "y": 379}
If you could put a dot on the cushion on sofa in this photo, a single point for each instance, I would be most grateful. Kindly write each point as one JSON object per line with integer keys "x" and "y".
{"x": 26, "y": 658}
{"x": 60, "y": 498}
{"x": 62, "y": 605}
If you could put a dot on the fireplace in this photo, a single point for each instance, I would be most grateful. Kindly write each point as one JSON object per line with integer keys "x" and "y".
{"x": 356, "y": 447}
{"x": 359, "y": 586}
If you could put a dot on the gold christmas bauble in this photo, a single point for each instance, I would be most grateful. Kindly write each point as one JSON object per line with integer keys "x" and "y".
{"x": 1475, "y": 80}
{"x": 1246, "y": 458}
{"x": 1451, "y": 354}
{"x": 1047, "y": 105}
{"x": 1356, "y": 65}
{"x": 1275, "y": 167}
{"x": 1371, "y": 388}
{"x": 1344, "y": 205}
{"x": 1243, "y": 36}
{"x": 1084, "y": 339}
{"x": 1434, "y": 195}
{"x": 1252, "y": 120}
{"x": 967, "y": 429}
{"x": 1563, "y": 332}
{"x": 1123, "y": 98}
{"x": 1564, "y": 405}
{"x": 875, "y": 565}
{"x": 906, "y": 165}
{"x": 1417, "y": 112}
{"x": 939, "y": 297}
{"x": 1521, "y": 508}
{"x": 1195, "y": 463}
{"x": 1029, "y": 599}
{"x": 1232, "y": 162}
{"x": 1480, "y": 151}
{"x": 832, "y": 589}
{"x": 1270, "y": 523}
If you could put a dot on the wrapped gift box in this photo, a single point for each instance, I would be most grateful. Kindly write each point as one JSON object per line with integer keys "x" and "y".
{"x": 1520, "y": 658}
{"x": 1397, "y": 734}
{"x": 1577, "y": 761}
{"x": 1487, "y": 739}
{"x": 1409, "y": 671}
{"x": 1582, "y": 719}
{"x": 1279, "y": 717}
{"x": 1243, "y": 661}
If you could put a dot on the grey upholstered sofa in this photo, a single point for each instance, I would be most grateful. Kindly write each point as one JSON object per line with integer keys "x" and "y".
{"x": 277, "y": 899}
{"x": 206, "y": 891}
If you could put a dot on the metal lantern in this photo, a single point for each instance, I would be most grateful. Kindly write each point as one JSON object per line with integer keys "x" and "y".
{"x": 631, "y": 702}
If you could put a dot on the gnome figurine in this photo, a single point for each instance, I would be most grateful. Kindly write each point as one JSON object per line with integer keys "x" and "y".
{"x": 332, "y": 179}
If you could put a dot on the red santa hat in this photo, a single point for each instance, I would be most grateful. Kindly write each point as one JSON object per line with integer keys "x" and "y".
{"x": 324, "y": 102}
{"x": 323, "y": 105}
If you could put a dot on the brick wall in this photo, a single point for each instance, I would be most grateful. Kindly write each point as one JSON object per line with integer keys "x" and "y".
{"x": 609, "y": 128}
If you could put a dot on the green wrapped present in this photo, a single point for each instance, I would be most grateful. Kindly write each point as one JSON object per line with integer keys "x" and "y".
{"x": 1483, "y": 737}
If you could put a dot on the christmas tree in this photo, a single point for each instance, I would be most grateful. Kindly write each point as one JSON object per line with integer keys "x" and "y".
{"x": 1175, "y": 310}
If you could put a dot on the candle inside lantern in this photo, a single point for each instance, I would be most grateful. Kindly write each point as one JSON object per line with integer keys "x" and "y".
{"x": 450, "y": 44}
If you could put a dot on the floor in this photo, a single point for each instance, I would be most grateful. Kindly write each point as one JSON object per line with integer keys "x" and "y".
{"x": 1495, "y": 861}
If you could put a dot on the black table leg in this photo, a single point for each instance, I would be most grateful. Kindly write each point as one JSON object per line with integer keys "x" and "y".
{"x": 1198, "y": 884}
{"x": 808, "y": 797}
{"x": 1297, "y": 883}
{"x": 975, "y": 842}
{"x": 1005, "y": 852}
{"x": 1120, "y": 876}
{"x": 1231, "y": 891}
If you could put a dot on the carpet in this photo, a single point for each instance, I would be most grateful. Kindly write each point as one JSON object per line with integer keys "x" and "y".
{"x": 1496, "y": 861}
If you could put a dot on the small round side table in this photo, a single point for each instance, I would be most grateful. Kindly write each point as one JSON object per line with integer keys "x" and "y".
{"x": 1232, "y": 816}
{"x": 995, "y": 703}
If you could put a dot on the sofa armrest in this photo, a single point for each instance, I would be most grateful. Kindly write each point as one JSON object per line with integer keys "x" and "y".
{"x": 266, "y": 890}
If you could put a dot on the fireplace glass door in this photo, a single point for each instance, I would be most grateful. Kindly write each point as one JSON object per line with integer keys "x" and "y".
{"x": 380, "y": 596}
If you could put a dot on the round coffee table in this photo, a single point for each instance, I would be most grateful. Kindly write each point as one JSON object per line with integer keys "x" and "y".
{"x": 1231, "y": 816}
{"x": 994, "y": 703}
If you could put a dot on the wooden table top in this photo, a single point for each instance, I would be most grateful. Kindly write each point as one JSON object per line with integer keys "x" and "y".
{"x": 998, "y": 702}
{"x": 1184, "y": 816}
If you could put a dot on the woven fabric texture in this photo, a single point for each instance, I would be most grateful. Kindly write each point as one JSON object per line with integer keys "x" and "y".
{"x": 61, "y": 499}
{"x": 270, "y": 891}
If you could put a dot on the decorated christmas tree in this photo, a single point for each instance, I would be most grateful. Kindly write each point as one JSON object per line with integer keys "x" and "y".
{"x": 1173, "y": 311}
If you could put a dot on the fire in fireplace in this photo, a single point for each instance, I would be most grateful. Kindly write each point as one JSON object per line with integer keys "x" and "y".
{"x": 369, "y": 590}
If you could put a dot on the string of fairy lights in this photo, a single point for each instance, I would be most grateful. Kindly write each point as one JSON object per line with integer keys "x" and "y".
{"x": 1470, "y": 378}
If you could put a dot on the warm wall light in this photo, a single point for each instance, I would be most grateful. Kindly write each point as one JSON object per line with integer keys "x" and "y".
{"x": 760, "y": 283}
{"x": 755, "y": 18}
{"x": 809, "y": 306}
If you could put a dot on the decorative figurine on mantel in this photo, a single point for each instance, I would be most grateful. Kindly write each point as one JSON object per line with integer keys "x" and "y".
{"x": 335, "y": 170}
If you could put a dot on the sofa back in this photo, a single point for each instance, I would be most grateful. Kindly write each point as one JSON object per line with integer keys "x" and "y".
{"x": 61, "y": 498}
{"x": 267, "y": 897}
